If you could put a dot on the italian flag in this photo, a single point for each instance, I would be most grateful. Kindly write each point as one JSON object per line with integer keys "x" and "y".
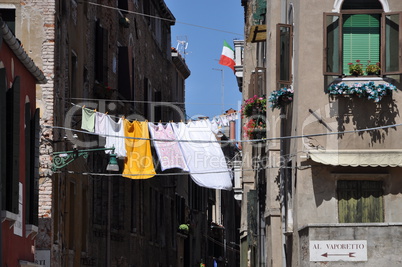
{"x": 227, "y": 57}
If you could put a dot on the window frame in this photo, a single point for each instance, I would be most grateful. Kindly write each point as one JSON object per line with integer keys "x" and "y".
{"x": 278, "y": 54}
{"x": 340, "y": 39}
{"x": 359, "y": 191}
{"x": 383, "y": 47}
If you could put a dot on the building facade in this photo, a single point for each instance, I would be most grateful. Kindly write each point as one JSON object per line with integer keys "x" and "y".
{"x": 332, "y": 192}
{"x": 19, "y": 146}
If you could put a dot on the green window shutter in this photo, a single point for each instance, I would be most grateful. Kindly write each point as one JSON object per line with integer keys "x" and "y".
{"x": 347, "y": 205}
{"x": 371, "y": 200}
{"x": 361, "y": 39}
{"x": 360, "y": 202}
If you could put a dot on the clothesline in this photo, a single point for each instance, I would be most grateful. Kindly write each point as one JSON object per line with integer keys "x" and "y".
{"x": 202, "y": 162}
{"x": 162, "y": 174}
{"x": 144, "y": 101}
{"x": 155, "y": 139}
{"x": 230, "y": 117}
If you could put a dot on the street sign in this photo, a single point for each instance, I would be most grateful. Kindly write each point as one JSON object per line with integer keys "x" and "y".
{"x": 338, "y": 250}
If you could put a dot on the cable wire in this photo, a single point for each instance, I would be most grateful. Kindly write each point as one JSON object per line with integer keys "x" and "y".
{"x": 160, "y": 18}
{"x": 235, "y": 141}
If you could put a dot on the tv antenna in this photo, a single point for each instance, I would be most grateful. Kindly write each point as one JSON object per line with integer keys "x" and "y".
{"x": 182, "y": 45}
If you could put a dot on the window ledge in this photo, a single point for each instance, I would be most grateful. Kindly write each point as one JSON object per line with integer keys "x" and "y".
{"x": 31, "y": 229}
{"x": 350, "y": 80}
{"x": 9, "y": 216}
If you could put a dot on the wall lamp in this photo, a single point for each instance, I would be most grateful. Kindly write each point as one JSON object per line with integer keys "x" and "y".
{"x": 62, "y": 159}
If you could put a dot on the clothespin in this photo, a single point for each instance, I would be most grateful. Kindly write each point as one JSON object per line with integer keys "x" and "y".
{"x": 106, "y": 112}
{"x": 83, "y": 106}
{"x": 160, "y": 121}
{"x": 95, "y": 110}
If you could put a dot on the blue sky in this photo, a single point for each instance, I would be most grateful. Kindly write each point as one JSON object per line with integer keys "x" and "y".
{"x": 204, "y": 86}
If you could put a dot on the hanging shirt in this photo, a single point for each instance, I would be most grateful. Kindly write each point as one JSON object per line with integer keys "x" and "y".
{"x": 114, "y": 132}
{"x": 139, "y": 163}
{"x": 88, "y": 120}
{"x": 205, "y": 160}
{"x": 100, "y": 123}
{"x": 169, "y": 153}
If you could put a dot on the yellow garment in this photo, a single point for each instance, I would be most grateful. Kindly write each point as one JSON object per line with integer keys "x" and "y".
{"x": 138, "y": 163}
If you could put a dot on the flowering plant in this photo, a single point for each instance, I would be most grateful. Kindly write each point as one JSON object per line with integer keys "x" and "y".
{"x": 369, "y": 90}
{"x": 254, "y": 108}
{"x": 373, "y": 69}
{"x": 254, "y": 105}
{"x": 280, "y": 97}
{"x": 356, "y": 69}
{"x": 255, "y": 128}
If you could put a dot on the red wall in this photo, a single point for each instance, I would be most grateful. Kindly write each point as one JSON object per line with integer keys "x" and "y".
{"x": 17, "y": 248}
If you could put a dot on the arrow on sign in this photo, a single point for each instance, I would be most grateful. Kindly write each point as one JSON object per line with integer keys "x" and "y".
{"x": 350, "y": 255}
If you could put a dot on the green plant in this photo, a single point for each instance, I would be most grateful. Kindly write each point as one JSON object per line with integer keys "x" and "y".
{"x": 184, "y": 228}
{"x": 356, "y": 69}
{"x": 369, "y": 90}
{"x": 255, "y": 128}
{"x": 373, "y": 69}
{"x": 254, "y": 105}
{"x": 281, "y": 97}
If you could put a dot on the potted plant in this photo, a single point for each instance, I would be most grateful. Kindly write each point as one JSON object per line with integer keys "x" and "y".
{"x": 184, "y": 228}
{"x": 254, "y": 105}
{"x": 373, "y": 69}
{"x": 281, "y": 97}
{"x": 255, "y": 128}
{"x": 368, "y": 90}
{"x": 255, "y": 109}
{"x": 356, "y": 69}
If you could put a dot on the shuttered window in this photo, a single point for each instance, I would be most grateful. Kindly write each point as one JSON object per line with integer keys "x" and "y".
{"x": 361, "y": 39}
{"x": 13, "y": 146}
{"x": 284, "y": 54}
{"x": 32, "y": 178}
{"x": 365, "y": 35}
{"x": 360, "y": 201}
{"x": 3, "y": 131}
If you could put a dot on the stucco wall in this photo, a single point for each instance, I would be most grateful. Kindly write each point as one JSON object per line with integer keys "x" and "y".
{"x": 383, "y": 243}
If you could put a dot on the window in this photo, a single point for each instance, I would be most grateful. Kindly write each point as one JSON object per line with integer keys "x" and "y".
{"x": 365, "y": 34}
{"x": 31, "y": 165}
{"x": 3, "y": 132}
{"x": 125, "y": 83}
{"x": 8, "y": 16}
{"x": 10, "y": 191}
{"x": 101, "y": 53}
{"x": 360, "y": 201}
{"x": 284, "y": 54}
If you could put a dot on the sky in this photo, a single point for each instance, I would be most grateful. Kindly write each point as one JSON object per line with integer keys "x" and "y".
{"x": 216, "y": 21}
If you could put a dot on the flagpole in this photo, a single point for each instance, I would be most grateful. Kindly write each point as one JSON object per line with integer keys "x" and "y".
{"x": 222, "y": 88}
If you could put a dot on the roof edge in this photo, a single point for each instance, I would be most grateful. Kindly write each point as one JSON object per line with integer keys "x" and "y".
{"x": 20, "y": 53}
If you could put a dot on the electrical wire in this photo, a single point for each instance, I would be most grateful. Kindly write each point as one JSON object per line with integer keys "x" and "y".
{"x": 152, "y": 139}
{"x": 143, "y": 101}
{"x": 235, "y": 141}
{"x": 160, "y": 18}
{"x": 158, "y": 174}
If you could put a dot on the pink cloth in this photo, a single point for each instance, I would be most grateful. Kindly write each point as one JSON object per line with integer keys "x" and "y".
{"x": 169, "y": 153}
